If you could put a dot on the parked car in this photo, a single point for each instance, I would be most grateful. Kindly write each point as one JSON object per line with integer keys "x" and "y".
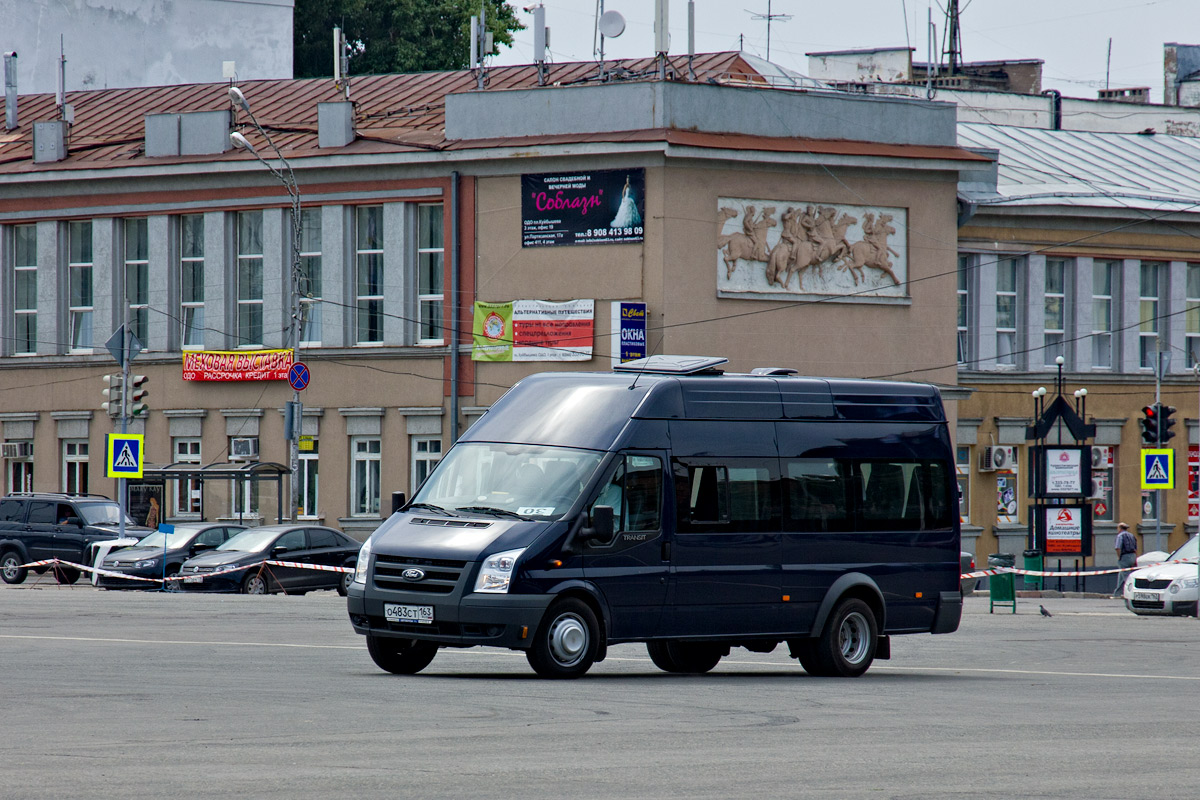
{"x": 1166, "y": 588}
{"x": 146, "y": 559}
{"x": 41, "y": 525}
{"x": 967, "y": 564}
{"x": 309, "y": 544}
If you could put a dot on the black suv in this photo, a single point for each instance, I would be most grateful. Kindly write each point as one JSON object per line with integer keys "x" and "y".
{"x": 41, "y": 525}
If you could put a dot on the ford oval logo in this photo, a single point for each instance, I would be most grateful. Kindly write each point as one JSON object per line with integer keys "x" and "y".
{"x": 413, "y": 574}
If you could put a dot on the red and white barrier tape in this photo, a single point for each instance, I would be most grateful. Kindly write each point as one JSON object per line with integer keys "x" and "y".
{"x": 1015, "y": 571}
{"x": 179, "y": 577}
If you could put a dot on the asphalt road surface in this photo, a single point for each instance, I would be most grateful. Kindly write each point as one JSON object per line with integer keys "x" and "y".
{"x": 118, "y": 695}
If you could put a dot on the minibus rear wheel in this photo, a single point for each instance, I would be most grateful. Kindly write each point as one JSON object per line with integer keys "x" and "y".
{"x": 846, "y": 646}
{"x": 400, "y": 656}
{"x": 689, "y": 658}
{"x": 566, "y": 642}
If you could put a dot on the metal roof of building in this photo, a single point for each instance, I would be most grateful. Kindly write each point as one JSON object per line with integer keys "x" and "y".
{"x": 1075, "y": 168}
{"x": 393, "y": 113}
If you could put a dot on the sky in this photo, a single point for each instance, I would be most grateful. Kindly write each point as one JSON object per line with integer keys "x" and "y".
{"x": 1071, "y": 36}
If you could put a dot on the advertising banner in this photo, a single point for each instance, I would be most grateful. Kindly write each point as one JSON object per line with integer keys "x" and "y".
{"x": 534, "y": 330}
{"x": 239, "y": 365}
{"x": 604, "y": 207}
{"x": 1064, "y": 530}
{"x": 1065, "y": 472}
{"x": 628, "y": 330}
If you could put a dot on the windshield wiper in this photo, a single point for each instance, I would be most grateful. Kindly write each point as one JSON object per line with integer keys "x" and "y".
{"x": 496, "y": 512}
{"x": 432, "y": 507}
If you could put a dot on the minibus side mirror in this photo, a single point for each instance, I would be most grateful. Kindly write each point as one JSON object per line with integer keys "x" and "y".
{"x": 602, "y": 531}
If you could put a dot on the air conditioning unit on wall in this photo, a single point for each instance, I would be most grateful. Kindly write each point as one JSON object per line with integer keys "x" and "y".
{"x": 243, "y": 448}
{"x": 17, "y": 450}
{"x": 1101, "y": 457}
{"x": 997, "y": 457}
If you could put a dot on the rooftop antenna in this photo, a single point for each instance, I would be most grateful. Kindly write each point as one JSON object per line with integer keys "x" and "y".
{"x": 662, "y": 35}
{"x": 769, "y": 17}
{"x": 1108, "y": 63}
{"x": 481, "y": 46}
{"x": 65, "y": 111}
{"x": 930, "y": 67}
{"x": 610, "y": 24}
{"x": 341, "y": 63}
{"x": 541, "y": 40}
{"x": 953, "y": 50}
{"x": 691, "y": 40}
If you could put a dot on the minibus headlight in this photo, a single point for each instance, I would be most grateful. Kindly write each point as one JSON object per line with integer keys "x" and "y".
{"x": 360, "y": 566}
{"x": 495, "y": 576}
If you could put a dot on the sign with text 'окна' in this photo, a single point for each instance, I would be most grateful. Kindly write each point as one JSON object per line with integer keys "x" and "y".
{"x": 240, "y": 365}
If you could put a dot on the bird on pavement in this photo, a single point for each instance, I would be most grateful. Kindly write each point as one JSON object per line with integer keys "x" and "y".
{"x": 1045, "y": 613}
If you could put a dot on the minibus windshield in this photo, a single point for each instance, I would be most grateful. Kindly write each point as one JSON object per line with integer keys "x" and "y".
{"x": 504, "y": 480}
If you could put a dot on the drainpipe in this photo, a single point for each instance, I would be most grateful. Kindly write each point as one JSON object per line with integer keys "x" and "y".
{"x": 454, "y": 303}
{"x": 1055, "y": 108}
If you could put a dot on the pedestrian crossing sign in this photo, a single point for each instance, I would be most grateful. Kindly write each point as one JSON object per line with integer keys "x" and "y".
{"x": 1158, "y": 469}
{"x": 124, "y": 455}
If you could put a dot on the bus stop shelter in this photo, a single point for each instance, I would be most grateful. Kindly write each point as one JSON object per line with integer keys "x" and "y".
{"x": 240, "y": 472}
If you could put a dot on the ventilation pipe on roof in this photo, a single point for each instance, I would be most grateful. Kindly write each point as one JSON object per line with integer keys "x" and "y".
{"x": 1055, "y": 108}
{"x": 10, "y": 90}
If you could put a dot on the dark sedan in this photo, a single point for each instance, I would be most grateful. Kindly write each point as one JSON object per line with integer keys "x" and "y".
{"x": 146, "y": 558}
{"x": 307, "y": 544}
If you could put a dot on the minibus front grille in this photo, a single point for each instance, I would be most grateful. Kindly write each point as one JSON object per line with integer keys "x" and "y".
{"x": 438, "y": 575}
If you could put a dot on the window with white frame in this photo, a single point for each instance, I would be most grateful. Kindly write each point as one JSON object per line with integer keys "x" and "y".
{"x": 309, "y": 478}
{"x": 1149, "y": 305}
{"x": 191, "y": 281}
{"x": 79, "y": 270}
{"x": 137, "y": 277}
{"x": 368, "y": 256}
{"x": 1056, "y": 302}
{"x": 962, "y": 469}
{"x": 431, "y": 256}
{"x": 965, "y": 265}
{"x": 364, "y": 476}
{"x": 1104, "y": 483}
{"x": 25, "y": 293}
{"x": 1007, "y": 310}
{"x": 1104, "y": 282}
{"x": 426, "y": 453}
{"x": 75, "y": 466}
{"x": 244, "y": 494}
{"x": 1192, "y": 315}
{"x": 20, "y": 475}
{"x": 249, "y": 278}
{"x": 310, "y": 276}
{"x": 187, "y": 492}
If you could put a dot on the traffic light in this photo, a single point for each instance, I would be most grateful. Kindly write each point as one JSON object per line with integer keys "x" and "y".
{"x": 112, "y": 395}
{"x": 1165, "y": 423}
{"x": 137, "y": 393}
{"x": 1150, "y": 425}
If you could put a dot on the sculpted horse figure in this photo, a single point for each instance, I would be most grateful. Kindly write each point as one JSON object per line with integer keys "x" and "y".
{"x": 872, "y": 251}
{"x": 751, "y": 242}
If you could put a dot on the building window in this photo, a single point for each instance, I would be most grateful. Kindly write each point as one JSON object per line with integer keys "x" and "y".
{"x": 25, "y": 288}
{"x": 1056, "y": 305}
{"x": 962, "y": 469}
{"x": 1149, "y": 506}
{"x": 249, "y": 278}
{"x": 187, "y": 492}
{"x": 310, "y": 276}
{"x": 965, "y": 265}
{"x": 1148, "y": 311}
{"x": 1192, "y": 315}
{"x": 1104, "y": 483}
{"x": 426, "y": 453}
{"x": 191, "y": 281}
{"x": 431, "y": 257}
{"x": 364, "y": 476}
{"x": 137, "y": 277}
{"x": 368, "y": 252}
{"x": 1103, "y": 283}
{"x": 1007, "y": 311}
{"x": 75, "y": 466}
{"x": 309, "y": 449}
{"x": 79, "y": 269}
{"x": 20, "y": 475}
{"x": 244, "y": 493}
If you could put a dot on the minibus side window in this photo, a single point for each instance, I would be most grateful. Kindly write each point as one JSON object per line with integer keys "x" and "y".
{"x": 634, "y": 491}
{"x": 816, "y": 493}
{"x": 902, "y": 495}
{"x": 740, "y": 495}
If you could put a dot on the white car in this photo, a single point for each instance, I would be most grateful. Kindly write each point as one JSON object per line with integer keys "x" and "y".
{"x": 1166, "y": 588}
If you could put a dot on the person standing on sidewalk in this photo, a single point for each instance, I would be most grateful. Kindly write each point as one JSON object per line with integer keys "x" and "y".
{"x": 1126, "y": 547}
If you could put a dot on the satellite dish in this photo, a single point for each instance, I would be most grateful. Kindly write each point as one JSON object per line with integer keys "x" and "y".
{"x": 612, "y": 24}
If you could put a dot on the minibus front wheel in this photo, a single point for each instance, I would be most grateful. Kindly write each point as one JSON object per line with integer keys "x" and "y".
{"x": 567, "y": 641}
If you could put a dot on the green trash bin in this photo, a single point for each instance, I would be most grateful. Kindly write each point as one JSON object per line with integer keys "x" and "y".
{"x": 1002, "y": 590}
{"x": 1034, "y": 562}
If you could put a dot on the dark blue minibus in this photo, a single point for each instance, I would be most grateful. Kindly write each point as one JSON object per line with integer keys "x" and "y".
{"x": 670, "y": 503}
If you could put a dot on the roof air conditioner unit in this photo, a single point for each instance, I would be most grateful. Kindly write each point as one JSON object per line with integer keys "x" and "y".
{"x": 243, "y": 448}
{"x": 997, "y": 457}
{"x": 18, "y": 449}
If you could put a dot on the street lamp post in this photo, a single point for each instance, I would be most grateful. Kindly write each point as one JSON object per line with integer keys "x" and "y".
{"x": 288, "y": 178}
